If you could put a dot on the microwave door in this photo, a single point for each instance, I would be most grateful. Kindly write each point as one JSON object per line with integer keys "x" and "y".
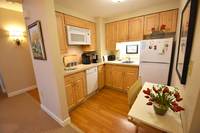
{"x": 77, "y": 38}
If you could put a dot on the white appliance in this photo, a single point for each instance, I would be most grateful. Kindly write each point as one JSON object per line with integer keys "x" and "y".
{"x": 155, "y": 59}
{"x": 92, "y": 79}
{"x": 78, "y": 36}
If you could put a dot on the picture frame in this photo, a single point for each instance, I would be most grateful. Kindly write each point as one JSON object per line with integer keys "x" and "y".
{"x": 187, "y": 28}
{"x": 36, "y": 41}
{"x": 131, "y": 49}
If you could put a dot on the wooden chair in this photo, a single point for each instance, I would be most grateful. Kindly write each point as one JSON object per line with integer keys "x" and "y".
{"x": 133, "y": 92}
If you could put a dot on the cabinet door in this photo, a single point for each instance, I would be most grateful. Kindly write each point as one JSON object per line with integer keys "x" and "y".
{"x": 135, "y": 28}
{"x": 101, "y": 77}
{"x": 108, "y": 74}
{"x": 80, "y": 89}
{"x": 130, "y": 76}
{"x": 117, "y": 77}
{"x": 122, "y": 31}
{"x": 111, "y": 36}
{"x": 151, "y": 21}
{"x": 71, "y": 98}
{"x": 61, "y": 32}
{"x": 74, "y": 21}
{"x": 92, "y": 47}
{"x": 169, "y": 18}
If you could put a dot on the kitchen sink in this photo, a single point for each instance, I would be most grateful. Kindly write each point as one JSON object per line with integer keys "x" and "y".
{"x": 127, "y": 61}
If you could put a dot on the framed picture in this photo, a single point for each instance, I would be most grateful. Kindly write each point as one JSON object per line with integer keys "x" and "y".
{"x": 131, "y": 49}
{"x": 186, "y": 38}
{"x": 36, "y": 40}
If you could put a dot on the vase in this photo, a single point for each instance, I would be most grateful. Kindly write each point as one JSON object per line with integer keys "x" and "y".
{"x": 160, "y": 109}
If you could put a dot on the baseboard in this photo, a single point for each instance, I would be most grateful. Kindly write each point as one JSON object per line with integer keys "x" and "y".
{"x": 52, "y": 115}
{"x": 14, "y": 93}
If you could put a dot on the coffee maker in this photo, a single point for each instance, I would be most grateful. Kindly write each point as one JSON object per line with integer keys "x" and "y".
{"x": 94, "y": 58}
{"x": 86, "y": 58}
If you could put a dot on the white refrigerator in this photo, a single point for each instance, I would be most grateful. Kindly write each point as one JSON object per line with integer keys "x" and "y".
{"x": 155, "y": 59}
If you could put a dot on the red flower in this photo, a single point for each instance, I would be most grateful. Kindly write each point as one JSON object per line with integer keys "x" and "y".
{"x": 177, "y": 108}
{"x": 174, "y": 103}
{"x": 179, "y": 99}
{"x": 166, "y": 90}
{"x": 177, "y": 95}
{"x": 148, "y": 91}
{"x": 163, "y": 27}
{"x": 153, "y": 29}
{"x": 149, "y": 103}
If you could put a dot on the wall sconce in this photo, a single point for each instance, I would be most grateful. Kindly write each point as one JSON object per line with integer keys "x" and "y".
{"x": 17, "y": 36}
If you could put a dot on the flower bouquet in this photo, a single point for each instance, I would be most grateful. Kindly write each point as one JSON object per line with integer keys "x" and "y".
{"x": 162, "y": 98}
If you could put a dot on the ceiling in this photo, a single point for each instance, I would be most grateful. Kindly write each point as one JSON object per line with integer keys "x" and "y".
{"x": 11, "y": 5}
{"x": 106, "y": 8}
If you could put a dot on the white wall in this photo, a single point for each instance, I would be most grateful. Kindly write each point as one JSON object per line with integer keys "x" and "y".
{"x": 16, "y": 67}
{"x": 50, "y": 73}
{"x": 191, "y": 91}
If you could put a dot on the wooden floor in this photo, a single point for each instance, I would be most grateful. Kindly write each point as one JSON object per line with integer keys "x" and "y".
{"x": 105, "y": 112}
{"x": 35, "y": 94}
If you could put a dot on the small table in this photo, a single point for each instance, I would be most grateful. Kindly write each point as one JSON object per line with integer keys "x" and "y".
{"x": 140, "y": 113}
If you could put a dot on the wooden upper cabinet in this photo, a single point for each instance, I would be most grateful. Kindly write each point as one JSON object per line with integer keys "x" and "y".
{"x": 135, "y": 29}
{"x": 92, "y": 47}
{"x": 74, "y": 21}
{"x": 122, "y": 31}
{"x": 151, "y": 21}
{"x": 169, "y": 18}
{"x": 61, "y": 32}
{"x": 111, "y": 36}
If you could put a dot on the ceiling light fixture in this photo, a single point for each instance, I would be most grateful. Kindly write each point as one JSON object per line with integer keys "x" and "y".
{"x": 117, "y": 1}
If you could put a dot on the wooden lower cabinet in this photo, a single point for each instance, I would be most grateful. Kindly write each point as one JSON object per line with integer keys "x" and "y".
{"x": 108, "y": 75}
{"x": 121, "y": 77}
{"x": 101, "y": 76}
{"x": 117, "y": 75}
{"x": 75, "y": 86}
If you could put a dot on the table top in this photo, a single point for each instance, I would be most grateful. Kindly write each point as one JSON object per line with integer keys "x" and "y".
{"x": 140, "y": 112}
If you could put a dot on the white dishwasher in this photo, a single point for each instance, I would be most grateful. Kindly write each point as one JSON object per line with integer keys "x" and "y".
{"x": 92, "y": 79}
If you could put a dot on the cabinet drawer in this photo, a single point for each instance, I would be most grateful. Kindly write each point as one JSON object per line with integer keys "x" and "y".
{"x": 74, "y": 76}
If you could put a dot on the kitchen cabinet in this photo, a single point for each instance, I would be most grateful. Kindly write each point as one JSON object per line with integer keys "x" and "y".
{"x": 75, "y": 86}
{"x": 74, "y": 21}
{"x": 101, "y": 76}
{"x": 135, "y": 29}
{"x": 117, "y": 75}
{"x": 108, "y": 75}
{"x": 151, "y": 21}
{"x": 122, "y": 31}
{"x": 131, "y": 75}
{"x": 111, "y": 36}
{"x": 61, "y": 32}
{"x": 121, "y": 77}
{"x": 169, "y": 18}
{"x": 92, "y": 47}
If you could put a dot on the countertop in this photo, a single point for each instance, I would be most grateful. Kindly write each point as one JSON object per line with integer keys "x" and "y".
{"x": 83, "y": 67}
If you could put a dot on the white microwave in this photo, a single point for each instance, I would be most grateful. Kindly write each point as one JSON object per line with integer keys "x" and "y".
{"x": 78, "y": 36}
